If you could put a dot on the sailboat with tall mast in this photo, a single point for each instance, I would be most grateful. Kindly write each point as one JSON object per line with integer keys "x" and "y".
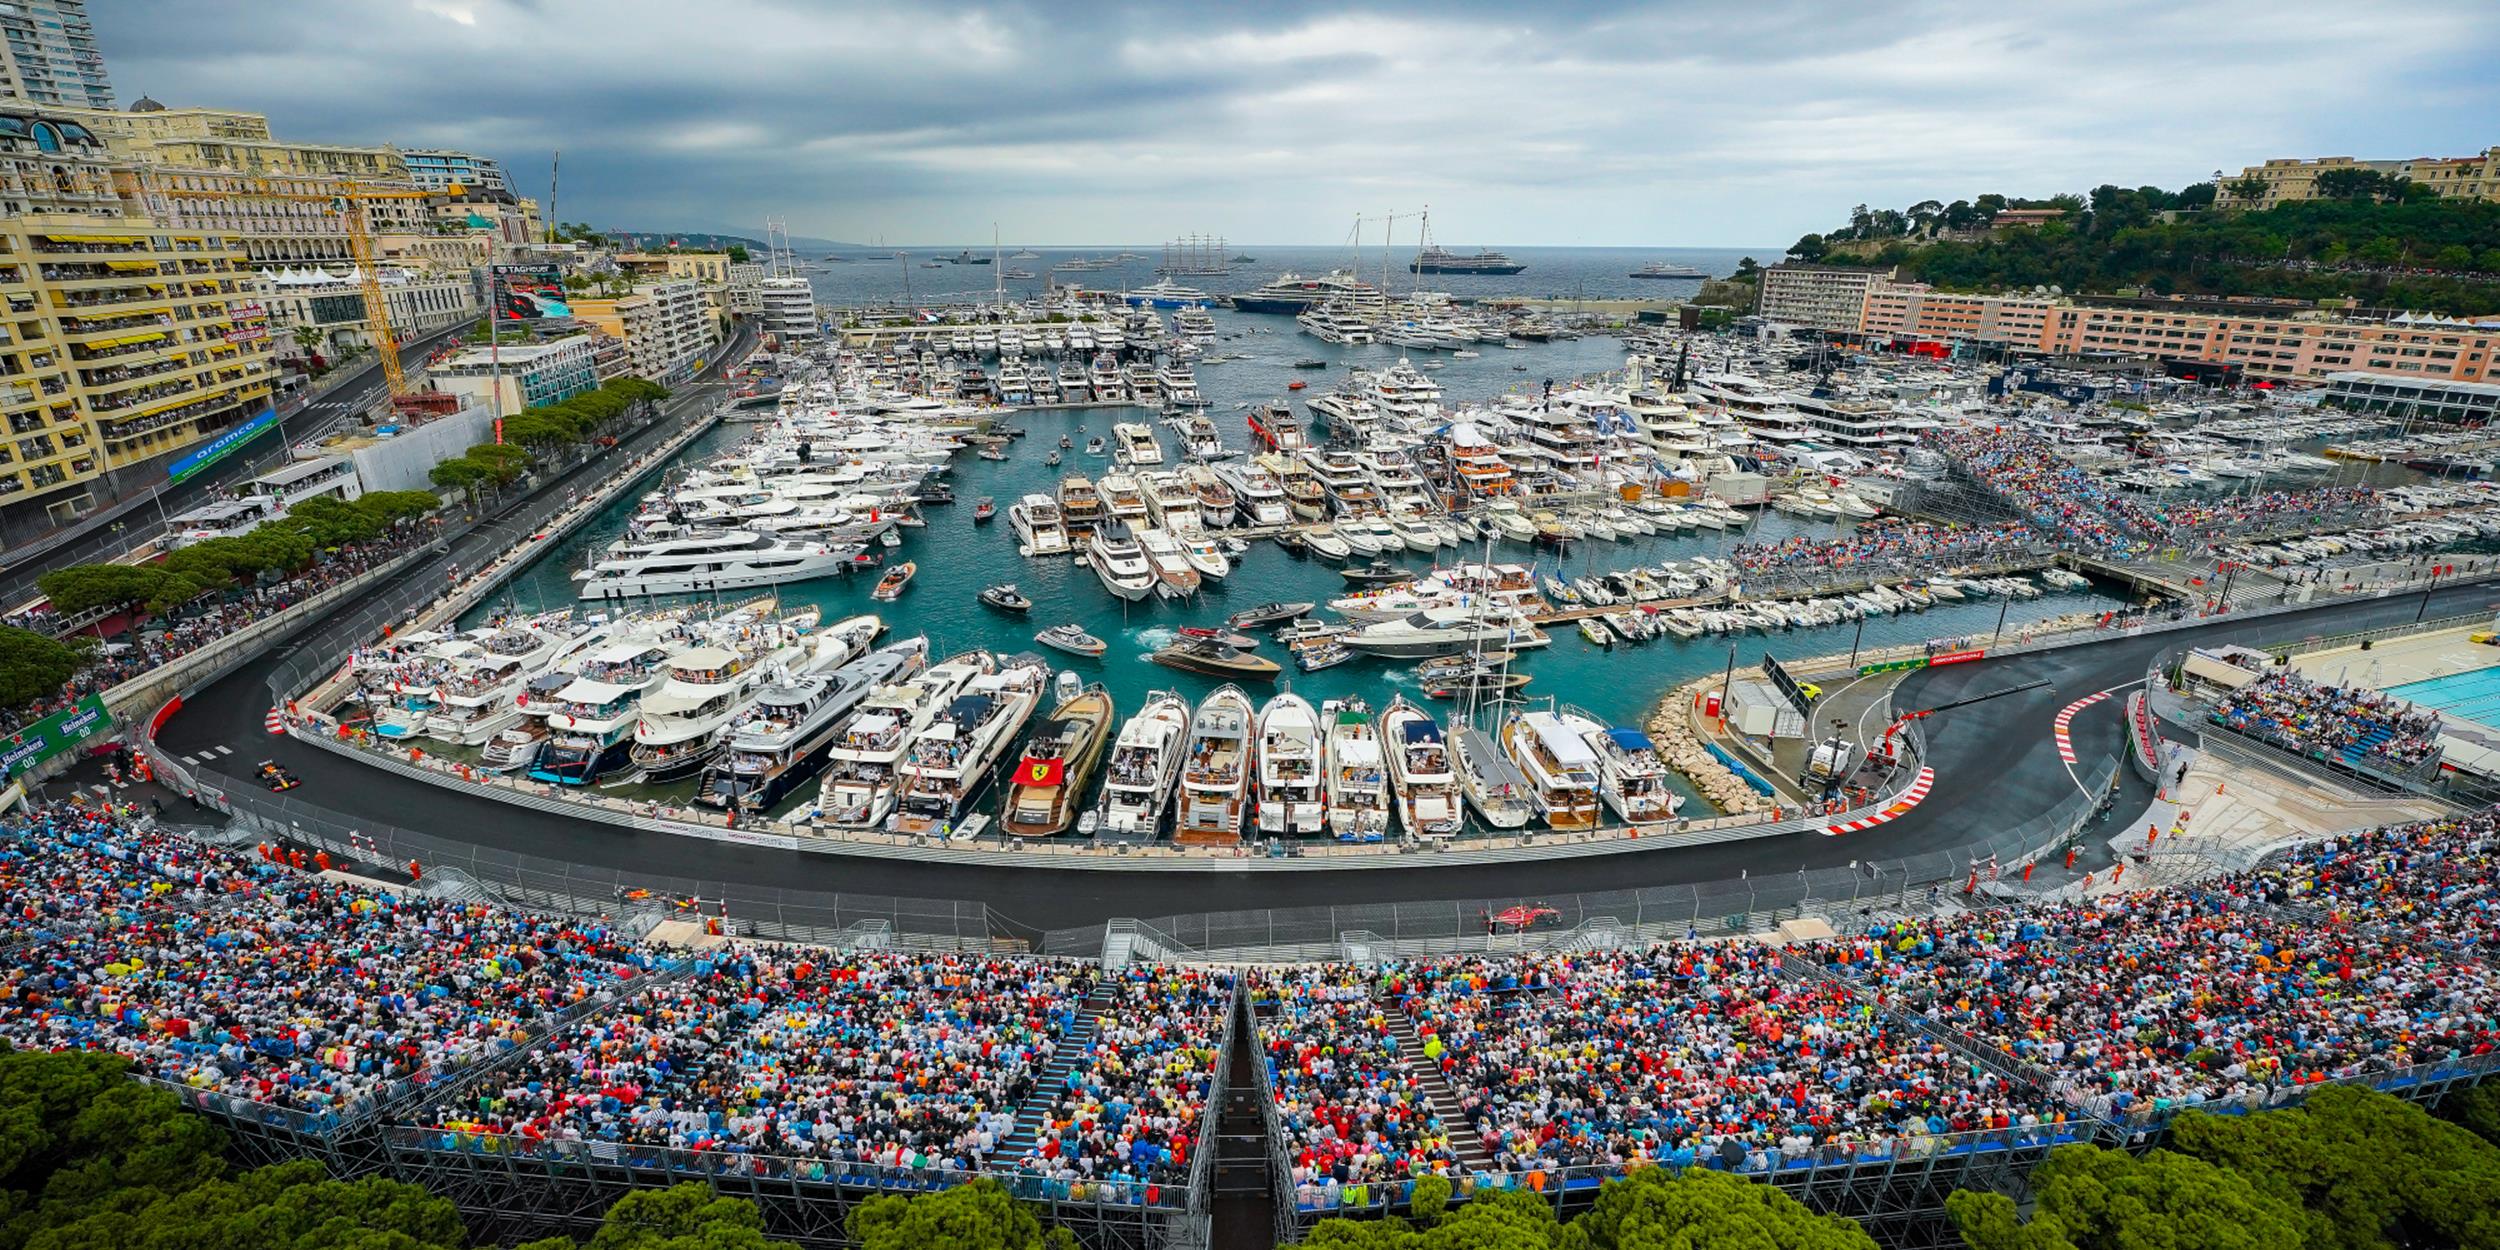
{"x": 1494, "y": 786}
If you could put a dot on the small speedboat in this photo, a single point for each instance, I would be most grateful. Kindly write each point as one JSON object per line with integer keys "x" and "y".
{"x": 1222, "y": 637}
{"x": 1327, "y": 544}
{"x": 1478, "y": 683}
{"x": 1093, "y": 446}
{"x": 890, "y": 587}
{"x": 1006, "y": 598}
{"x": 992, "y": 453}
{"x": 1310, "y": 362}
{"x": 1296, "y": 384}
{"x": 1070, "y": 639}
{"x": 1292, "y": 540}
{"x": 985, "y": 511}
{"x": 1267, "y": 614}
{"x": 1377, "y": 573}
{"x": 1325, "y": 655}
{"x": 1066, "y": 442}
{"x": 1052, "y": 459}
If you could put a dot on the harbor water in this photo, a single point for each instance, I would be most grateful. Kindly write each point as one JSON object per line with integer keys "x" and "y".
{"x": 957, "y": 558}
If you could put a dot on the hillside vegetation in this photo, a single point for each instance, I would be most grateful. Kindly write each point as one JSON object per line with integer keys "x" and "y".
{"x": 2382, "y": 246}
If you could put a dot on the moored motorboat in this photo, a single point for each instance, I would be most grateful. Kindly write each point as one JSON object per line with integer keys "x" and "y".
{"x": 1357, "y": 776}
{"x": 1267, "y": 614}
{"x": 1049, "y": 781}
{"x": 1193, "y": 655}
{"x": 1006, "y": 598}
{"x": 1145, "y": 759}
{"x": 1288, "y": 764}
{"x": 1215, "y": 770}
{"x": 1420, "y": 775}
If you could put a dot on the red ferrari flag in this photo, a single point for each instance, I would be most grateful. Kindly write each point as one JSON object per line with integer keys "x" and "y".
{"x": 1042, "y": 772}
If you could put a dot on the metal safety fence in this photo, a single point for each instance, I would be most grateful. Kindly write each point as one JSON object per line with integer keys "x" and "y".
{"x": 1745, "y": 904}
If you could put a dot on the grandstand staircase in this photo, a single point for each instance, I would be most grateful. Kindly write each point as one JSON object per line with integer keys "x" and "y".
{"x": 1437, "y": 1091}
{"x": 1046, "y": 1087}
{"x": 1245, "y": 1198}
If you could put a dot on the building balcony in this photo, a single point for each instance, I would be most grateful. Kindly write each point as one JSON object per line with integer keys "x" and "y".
{"x": 90, "y": 327}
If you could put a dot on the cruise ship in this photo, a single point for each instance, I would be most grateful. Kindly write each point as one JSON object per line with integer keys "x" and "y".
{"x": 1293, "y": 293}
{"x": 1436, "y": 259}
{"x": 1667, "y": 269}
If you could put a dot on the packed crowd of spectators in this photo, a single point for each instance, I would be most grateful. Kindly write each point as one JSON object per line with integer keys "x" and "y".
{"x": 2345, "y": 724}
{"x": 2349, "y": 959}
{"x": 1353, "y": 1109}
{"x": 1687, "y": 1053}
{"x": 2434, "y": 880}
{"x": 70, "y": 867}
{"x": 1888, "y": 546}
{"x": 2247, "y": 516}
{"x": 2142, "y": 1005}
{"x": 2050, "y": 491}
{"x": 303, "y": 993}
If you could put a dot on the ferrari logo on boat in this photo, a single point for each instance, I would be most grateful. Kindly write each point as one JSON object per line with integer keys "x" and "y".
{"x": 1041, "y": 772}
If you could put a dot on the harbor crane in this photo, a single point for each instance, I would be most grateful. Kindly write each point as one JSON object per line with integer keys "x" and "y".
{"x": 350, "y": 202}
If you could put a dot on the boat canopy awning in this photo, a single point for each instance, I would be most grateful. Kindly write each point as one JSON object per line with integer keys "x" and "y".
{"x": 1629, "y": 739}
{"x": 1420, "y": 730}
{"x": 585, "y": 690}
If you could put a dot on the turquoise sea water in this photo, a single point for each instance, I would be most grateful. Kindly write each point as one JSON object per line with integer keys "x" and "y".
{"x": 957, "y": 559}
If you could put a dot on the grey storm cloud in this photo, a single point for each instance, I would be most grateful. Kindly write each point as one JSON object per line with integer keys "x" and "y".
{"x": 1698, "y": 123}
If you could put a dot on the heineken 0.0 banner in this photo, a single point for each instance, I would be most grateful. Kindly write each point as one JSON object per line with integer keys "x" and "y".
{"x": 52, "y": 735}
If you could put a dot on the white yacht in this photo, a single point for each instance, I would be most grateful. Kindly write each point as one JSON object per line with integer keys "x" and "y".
{"x": 1175, "y": 576}
{"x": 1420, "y": 773}
{"x": 1215, "y": 772}
{"x": 1121, "y": 562}
{"x": 1631, "y": 777}
{"x": 590, "y": 727}
{"x": 1261, "y": 497}
{"x": 1200, "y": 440}
{"x": 1218, "y": 506}
{"x": 1172, "y": 505}
{"x": 1444, "y": 631}
{"x": 1289, "y": 798}
{"x": 950, "y": 758}
{"x": 1135, "y": 443}
{"x": 1357, "y": 775}
{"x": 1179, "y": 385}
{"x": 1560, "y": 766}
{"x": 1123, "y": 499}
{"x": 700, "y": 563}
{"x": 860, "y": 781}
{"x": 1145, "y": 758}
{"x": 1334, "y": 323}
{"x": 778, "y": 743}
{"x": 1494, "y": 786}
{"x": 680, "y": 723}
{"x": 1039, "y": 530}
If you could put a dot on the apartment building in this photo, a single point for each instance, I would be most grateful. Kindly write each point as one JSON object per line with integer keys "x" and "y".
{"x": 2274, "y": 341}
{"x": 746, "y": 288}
{"x": 530, "y": 373}
{"x": 787, "y": 310}
{"x": 1831, "y": 298}
{"x": 331, "y": 304}
{"x": 667, "y": 328}
{"x": 2291, "y": 179}
{"x": 124, "y": 341}
{"x": 443, "y": 168}
{"x": 48, "y": 55}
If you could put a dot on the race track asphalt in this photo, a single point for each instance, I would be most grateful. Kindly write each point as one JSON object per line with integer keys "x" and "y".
{"x": 1996, "y": 763}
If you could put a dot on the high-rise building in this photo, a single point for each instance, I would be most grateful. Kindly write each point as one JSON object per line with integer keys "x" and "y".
{"x": 124, "y": 343}
{"x": 530, "y": 374}
{"x": 787, "y": 310}
{"x": 48, "y": 55}
{"x": 665, "y": 326}
{"x": 442, "y": 167}
{"x": 1818, "y": 297}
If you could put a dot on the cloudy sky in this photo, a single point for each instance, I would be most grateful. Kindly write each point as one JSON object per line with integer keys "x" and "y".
{"x": 1706, "y": 124}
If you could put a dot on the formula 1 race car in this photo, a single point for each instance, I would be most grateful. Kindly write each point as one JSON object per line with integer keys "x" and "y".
{"x": 1521, "y": 919}
{"x": 275, "y": 776}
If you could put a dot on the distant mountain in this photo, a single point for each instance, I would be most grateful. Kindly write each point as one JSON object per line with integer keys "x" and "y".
{"x": 709, "y": 241}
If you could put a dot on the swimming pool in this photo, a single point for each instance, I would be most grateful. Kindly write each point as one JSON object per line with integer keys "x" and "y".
{"x": 2471, "y": 695}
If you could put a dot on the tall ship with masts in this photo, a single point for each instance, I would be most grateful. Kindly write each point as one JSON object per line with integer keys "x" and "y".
{"x": 1195, "y": 255}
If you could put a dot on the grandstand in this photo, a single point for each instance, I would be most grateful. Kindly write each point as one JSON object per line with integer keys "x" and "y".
{"x": 531, "y": 1066}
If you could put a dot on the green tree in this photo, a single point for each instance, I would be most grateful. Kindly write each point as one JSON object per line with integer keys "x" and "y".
{"x": 1652, "y": 1207}
{"x": 689, "y": 1216}
{"x": 34, "y": 667}
{"x": 737, "y": 253}
{"x": 978, "y": 1216}
{"x": 2087, "y": 1198}
{"x": 1809, "y": 247}
{"x": 79, "y": 587}
{"x": 2366, "y": 1170}
{"x": 2251, "y": 189}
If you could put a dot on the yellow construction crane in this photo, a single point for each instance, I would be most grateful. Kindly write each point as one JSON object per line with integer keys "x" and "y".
{"x": 349, "y": 201}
